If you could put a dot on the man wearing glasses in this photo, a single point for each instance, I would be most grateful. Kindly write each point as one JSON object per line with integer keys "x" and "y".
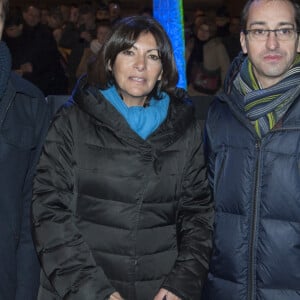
{"x": 253, "y": 152}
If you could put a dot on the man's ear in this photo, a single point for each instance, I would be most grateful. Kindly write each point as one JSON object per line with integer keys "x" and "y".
{"x": 298, "y": 44}
{"x": 243, "y": 42}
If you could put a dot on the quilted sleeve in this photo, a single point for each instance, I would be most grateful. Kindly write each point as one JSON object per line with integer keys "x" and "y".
{"x": 195, "y": 226}
{"x": 65, "y": 257}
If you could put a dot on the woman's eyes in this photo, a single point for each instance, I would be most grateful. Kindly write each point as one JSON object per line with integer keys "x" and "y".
{"x": 151, "y": 56}
{"x": 154, "y": 57}
{"x": 128, "y": 52}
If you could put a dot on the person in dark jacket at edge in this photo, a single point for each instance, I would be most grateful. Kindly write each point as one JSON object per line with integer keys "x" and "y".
{"x": 122, "y": 207}
{"x": 42, "y": 62}
{"x": 23, "y": 124}
{"x": 253, "y": 147}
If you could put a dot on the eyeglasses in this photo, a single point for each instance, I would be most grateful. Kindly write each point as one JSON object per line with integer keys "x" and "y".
{"x": 282, "y": 34}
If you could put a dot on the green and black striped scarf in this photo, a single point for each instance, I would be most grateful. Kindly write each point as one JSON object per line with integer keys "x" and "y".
{"x": 264, "y": 107}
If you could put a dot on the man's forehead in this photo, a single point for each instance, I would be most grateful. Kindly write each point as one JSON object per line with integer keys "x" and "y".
{"x": 271, "y": 12}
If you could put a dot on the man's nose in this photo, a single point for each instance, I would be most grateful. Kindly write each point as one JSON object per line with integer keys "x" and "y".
{"x": 272, "y": 40}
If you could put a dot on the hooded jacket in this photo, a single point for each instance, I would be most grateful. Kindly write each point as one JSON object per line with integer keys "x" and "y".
{"x": 256, "y": 184}
{"x": 114, "y": 212}
{"x": 23, "y": 123}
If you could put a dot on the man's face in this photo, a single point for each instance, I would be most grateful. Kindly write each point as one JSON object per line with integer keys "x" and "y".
{"x": 203, "y": 33}
{"x": 234, "y": 26}
{"x": 221, "y": 21}
{"x": 32, "y": 16}
{"x": 44, "y": 16}
{"x": 114, "y": 10}
{"x": 102, "y": 32}
{"x": 271, "y": 58}
{"x": 74, "y": 14}
{"x": 102, "y": 15}
{"x": 88, "y": 20}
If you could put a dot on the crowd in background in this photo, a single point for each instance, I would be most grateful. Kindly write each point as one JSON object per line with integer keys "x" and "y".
{"x": 53, "y": 46}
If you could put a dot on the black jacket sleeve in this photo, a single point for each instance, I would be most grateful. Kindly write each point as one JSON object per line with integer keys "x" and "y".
{"x": 65, "y": 257}
{"x": 195, "y": 226}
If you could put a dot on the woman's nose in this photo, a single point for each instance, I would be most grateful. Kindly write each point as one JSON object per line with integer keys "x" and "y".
{"x": 140, "y": 63}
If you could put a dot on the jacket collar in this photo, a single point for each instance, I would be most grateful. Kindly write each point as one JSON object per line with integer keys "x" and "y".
{"x": 180, "y": 116}
{"x": 290, "y": 119}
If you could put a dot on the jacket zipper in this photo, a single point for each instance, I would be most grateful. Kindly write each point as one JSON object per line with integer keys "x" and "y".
{"x": 251, "y": 264}
{"x": 252, "y": 244}
{"x": 252, "y": 255}
{"x": 221, "y": 167}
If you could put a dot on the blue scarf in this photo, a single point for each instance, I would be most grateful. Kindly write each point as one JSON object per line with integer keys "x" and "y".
{"x": 142, "y": 120}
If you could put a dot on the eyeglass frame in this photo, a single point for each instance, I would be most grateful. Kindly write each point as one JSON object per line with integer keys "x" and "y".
{"x": 268, "y": 31}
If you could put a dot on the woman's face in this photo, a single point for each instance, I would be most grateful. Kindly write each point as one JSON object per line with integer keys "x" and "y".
{"x": 203, "y": 33}
{"x": 102, "y": 32}
{"x": 136, "y": 70}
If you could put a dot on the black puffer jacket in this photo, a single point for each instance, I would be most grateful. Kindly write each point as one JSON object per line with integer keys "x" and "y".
{"x": 110, "y": 209}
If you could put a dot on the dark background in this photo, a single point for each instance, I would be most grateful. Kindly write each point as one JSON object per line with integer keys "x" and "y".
{"x": 130, "y": 6}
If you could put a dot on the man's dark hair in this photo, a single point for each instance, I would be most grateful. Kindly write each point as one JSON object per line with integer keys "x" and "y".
{"x": 245, "y": 12}
{"x": 114, "y": 2}
{"x": 102, "y": 6}
{"x": 86, "y": 9}
{"x": 30, "y": 4}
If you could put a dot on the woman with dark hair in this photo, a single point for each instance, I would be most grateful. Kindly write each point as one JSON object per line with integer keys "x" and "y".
{"x": 121, "y": 206}
{"x": 207, "y": 60}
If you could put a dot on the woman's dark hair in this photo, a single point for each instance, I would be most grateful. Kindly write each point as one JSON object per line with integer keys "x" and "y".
{"x": 245, "y": 12}
{"x": 123, "y": 36}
